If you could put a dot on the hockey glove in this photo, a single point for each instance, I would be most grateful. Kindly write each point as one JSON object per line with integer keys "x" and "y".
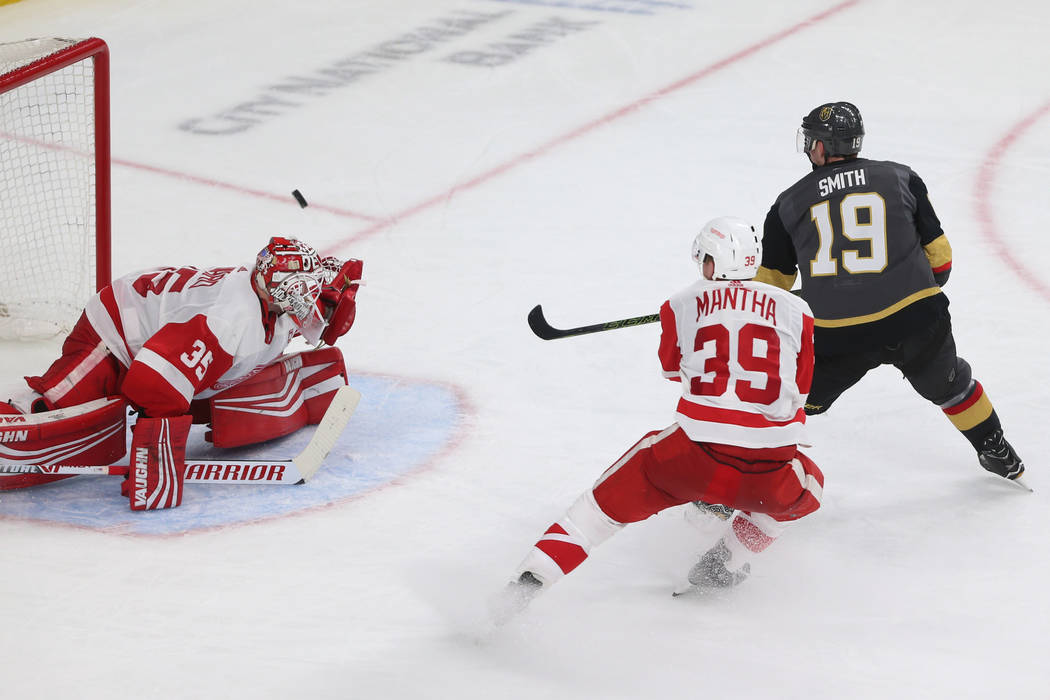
{"x": 339, "y": 298}
{"x": 340, "y": 310}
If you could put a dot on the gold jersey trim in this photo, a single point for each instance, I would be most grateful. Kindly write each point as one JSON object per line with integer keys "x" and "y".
{"x": 939, "y": 251}
{"x": 878, "y": 315}
{"x": 776, "y": 278}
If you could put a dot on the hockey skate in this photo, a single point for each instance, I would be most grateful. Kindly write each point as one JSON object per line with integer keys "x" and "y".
{"x": 514, "y": 598}
{"x": 716, "y": 509}
{"x": 997, "y": 456}
{"x": 711, "y": 571}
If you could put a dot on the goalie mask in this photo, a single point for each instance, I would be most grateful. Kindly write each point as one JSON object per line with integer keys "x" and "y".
{"x": 288, "y": 277}
{"x": 734, "y": 246}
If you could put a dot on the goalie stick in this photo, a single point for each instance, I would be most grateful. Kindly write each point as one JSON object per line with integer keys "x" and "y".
{"x": 297, "y": 470}
{"x": 544, "y": 330}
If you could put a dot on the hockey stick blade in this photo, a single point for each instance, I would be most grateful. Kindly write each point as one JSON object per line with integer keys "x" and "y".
{"x": 297, "y": 470}
{"x": 688, "y": 590}
{"x": 544, "y": 330}
{"x": 343, "y": 405}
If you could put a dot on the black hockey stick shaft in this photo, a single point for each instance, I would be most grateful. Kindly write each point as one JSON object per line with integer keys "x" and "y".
{"x": 540, "y": 327}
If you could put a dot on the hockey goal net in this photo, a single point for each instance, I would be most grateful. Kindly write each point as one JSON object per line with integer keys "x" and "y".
{"x": 54, "y": 182}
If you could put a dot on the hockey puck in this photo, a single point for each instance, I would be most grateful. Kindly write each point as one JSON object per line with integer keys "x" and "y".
{"x": 299, "y": 198}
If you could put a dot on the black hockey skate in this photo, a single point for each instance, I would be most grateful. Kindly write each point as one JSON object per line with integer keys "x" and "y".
{"x": 711, "y": 570}
{"x": 997, "y": 456}
{"x": 514, "y": 598}
{"x": 529, "y": 582}
{"x": 716, "y": 509}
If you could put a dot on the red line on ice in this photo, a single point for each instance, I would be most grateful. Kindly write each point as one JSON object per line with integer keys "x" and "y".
{"x": 382, "y": 223}
{"x": 237, "y": 188}
{"x": 983, "y": 187}
{"x": 592, "y": 125}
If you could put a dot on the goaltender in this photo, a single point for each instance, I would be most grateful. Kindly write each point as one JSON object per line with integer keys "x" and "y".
{"x": 184, "y": 345}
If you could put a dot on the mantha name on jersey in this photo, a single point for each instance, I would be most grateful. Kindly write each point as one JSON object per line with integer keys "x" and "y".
{"x": 186, "y": 332}
{"x": 743, "y": 352}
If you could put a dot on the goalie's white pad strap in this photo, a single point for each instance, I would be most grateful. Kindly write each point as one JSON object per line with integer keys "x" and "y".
{"x": 75, "y": 375}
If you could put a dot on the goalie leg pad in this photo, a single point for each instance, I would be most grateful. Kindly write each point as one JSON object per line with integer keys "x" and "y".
{"x": 85, "y": 371}
{"x": 91, "y": 433}
{"x": 325, "y": 372}
{"x": 285, "y": 396}
{"x": 158, "y": 462}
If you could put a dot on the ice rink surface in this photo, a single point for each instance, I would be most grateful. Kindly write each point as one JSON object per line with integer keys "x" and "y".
{"x": 484, "y": 156}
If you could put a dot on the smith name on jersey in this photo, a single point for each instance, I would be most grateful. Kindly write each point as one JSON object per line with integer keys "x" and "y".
{"x": 865, "y": 240}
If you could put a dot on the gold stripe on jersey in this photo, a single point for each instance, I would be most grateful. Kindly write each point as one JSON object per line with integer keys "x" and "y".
{"x": 775, "y": 278}
{"x": 939, "y": 251}
{"x": 868, "y": 318}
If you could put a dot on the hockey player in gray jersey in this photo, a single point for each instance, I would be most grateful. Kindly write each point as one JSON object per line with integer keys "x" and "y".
{"x": 872, "y": 258}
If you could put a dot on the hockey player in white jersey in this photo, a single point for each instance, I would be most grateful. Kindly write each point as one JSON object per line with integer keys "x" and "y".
{"x": 169, "y": 339}
{"x": 743, "y": 352}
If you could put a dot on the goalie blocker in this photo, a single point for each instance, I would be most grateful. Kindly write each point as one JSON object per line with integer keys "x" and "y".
{"x": 280, "y": 399}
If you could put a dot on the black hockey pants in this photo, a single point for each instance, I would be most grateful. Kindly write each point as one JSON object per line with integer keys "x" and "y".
{"x": 927, "y": 359}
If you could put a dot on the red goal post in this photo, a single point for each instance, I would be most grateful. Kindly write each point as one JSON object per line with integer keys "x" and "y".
{"x": 54, "y": 182}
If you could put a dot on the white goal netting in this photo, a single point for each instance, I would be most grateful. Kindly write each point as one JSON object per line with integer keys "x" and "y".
{"x": 48, "y": 195}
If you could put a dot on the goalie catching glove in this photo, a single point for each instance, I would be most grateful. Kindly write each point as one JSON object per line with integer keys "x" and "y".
{"x": 338, "y": 297}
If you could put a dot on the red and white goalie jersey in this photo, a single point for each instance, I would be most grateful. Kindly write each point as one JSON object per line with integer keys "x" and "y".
{"x": 186, "y": 331}
{"x": 743, "y": 351}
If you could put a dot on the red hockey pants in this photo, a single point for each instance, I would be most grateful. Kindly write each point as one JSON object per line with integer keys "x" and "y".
{"x": 666, "y": 469}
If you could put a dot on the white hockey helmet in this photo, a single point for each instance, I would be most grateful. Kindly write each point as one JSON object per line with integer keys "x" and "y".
{"x": 733, "y": 244}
